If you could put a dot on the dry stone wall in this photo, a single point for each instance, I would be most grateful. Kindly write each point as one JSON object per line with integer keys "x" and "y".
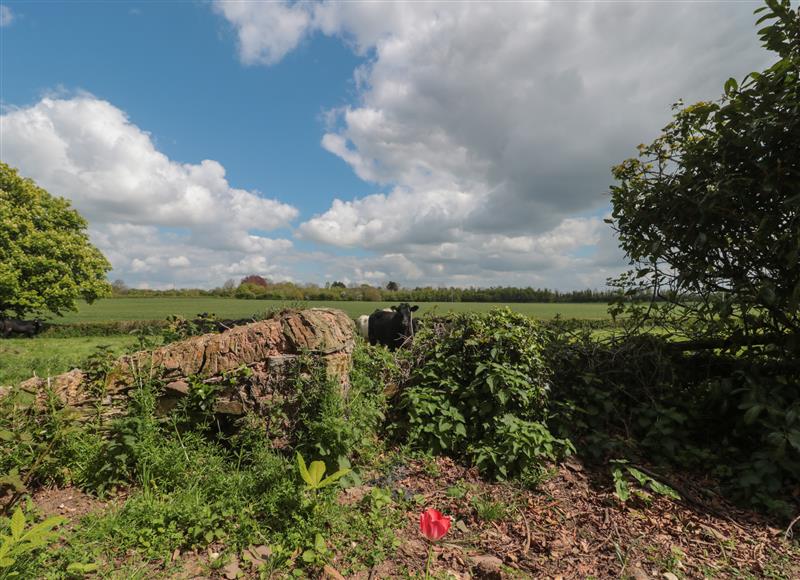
{"x": 265, "y": 347}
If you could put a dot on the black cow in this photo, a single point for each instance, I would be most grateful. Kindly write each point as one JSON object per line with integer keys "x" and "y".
{"x": 14, "y": 326}
{"x": 393, "y": 327}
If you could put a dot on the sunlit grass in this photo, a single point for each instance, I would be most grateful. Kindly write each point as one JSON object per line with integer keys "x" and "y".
{"x": 22, "y": 358}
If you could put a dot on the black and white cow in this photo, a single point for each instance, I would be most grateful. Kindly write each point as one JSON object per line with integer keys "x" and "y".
{"x": 392, "y": 327}
{"x": 362, "y": 325}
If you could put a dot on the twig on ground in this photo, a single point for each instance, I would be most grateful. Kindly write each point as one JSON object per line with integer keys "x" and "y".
{"x": 527, "y": 531}
{"x": 789, "y": 533}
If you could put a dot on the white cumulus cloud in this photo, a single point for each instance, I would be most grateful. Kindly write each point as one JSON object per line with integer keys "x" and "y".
{"x": 155, "y": 218}
{"x": 494, "y": 125}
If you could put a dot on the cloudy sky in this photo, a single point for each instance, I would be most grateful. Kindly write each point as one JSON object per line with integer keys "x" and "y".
{"x": 428, "y": 143}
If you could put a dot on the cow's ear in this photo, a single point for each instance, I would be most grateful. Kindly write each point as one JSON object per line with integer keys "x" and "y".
{"x": 394, "y": 308}
{"x": 414, "y": 308}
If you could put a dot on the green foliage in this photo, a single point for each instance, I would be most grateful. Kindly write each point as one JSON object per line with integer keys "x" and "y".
{"x": 18, "y": 543}
{"x": 518, "y": 448}
{"x": 708, "y": 212}
{"x": 623, "y": 474}
{"x": 332, "y": 424}
{"x": 46, "y": 260}
{"x": 317, "y": 554}
{"x": 34, "y": 444}
{"x": 478, "y": 390}
{"x": 189, "y": 486}
{"x": 488, "y": 510}
{"x": 314, "y": 475}
{"x": 638, "y": 397}
{"x": 97, "y": 365}
{"x": 179, "y": 328}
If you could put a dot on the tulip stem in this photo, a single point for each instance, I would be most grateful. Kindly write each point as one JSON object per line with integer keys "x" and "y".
{"x": 428, "y": 563}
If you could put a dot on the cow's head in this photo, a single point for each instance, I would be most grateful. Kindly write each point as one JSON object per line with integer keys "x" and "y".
{"x": 405, "y": 311}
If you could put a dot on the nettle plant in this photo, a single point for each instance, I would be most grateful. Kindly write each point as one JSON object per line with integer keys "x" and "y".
{"x": 478, "y": 391}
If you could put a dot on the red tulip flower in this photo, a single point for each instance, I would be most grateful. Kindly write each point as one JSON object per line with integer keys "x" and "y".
{"x": 433, "y": 524}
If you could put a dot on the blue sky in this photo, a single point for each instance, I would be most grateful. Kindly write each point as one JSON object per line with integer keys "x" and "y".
{"x": 172, "y": 66}
{"x": 454, "y": 143}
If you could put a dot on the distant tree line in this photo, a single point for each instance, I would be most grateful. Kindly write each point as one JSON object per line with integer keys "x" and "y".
{"x": 257, "y": 287}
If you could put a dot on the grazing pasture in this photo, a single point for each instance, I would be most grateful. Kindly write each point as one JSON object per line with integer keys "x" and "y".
{"x": 21, "y": 358}
{"x": 160, "y": 308}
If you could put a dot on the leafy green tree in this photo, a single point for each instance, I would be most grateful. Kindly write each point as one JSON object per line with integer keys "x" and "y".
{"x": 392, "y": 286}
{"x": 46, "y": 259}
{"x": 709, "y": 212}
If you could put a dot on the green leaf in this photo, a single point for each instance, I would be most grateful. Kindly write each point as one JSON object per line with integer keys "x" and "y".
{"x": 620, "y": 485}
{"x": 752, "y": 414}
{"x": 17, "y": 524}
{"x": 14, "y": 481}
{"x": 664, "y": 490}
{"x": 638, "y": 475}
{"x": 319, "y": 543}
{"x": 335, "y": 477}
{"x": 316, "y": 471}
{"x": 81, "y": 568}
{"x": 301, "y": 464}
{"x": 794, "y": 439}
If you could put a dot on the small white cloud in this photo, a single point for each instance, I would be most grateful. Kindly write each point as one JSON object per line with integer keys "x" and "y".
{"x": 179, "y": 262}
{"x": 267, "y": 30}
{"x": 6, "y": 15}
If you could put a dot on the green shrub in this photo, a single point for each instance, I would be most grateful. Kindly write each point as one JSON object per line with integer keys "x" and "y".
{"x": 639, "y": 397}
{"x": 478, "y": 390}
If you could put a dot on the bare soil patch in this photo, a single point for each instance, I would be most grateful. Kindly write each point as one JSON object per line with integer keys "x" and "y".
{"x": 68, "y": 502}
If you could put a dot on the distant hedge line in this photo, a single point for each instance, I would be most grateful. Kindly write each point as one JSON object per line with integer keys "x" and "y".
{"x": 117, "y": 327}
{"x": 108, "y": 328}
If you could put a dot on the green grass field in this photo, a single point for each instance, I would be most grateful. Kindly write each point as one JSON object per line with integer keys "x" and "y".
{"x": 160, "y": 308}
{"x": 21, "y": 358}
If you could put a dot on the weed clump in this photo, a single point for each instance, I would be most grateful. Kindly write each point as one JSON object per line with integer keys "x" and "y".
{"x": 478, "y": 390}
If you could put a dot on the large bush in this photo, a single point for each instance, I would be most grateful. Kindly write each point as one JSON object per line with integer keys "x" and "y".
{"x": 642, "y": 398}
{"x": 709, "y": 212}
{"x": 709, "y": 215}
{"x": 478, "y": 390}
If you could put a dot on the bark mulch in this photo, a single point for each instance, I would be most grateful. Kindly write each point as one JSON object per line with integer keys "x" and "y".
{"x": 573, "y": 526}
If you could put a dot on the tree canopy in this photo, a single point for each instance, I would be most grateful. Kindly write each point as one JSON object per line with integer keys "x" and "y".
{"x": 709, "y": 212}
{"x": 46, "y": 259}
